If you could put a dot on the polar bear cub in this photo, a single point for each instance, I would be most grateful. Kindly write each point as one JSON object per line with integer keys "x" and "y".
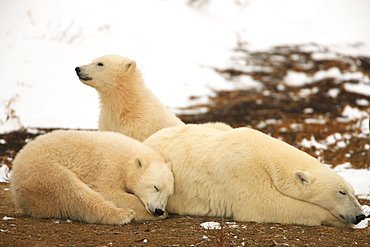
{"x": 90, "y": 176}
{"x": 245, "y": 174}
{"x": 127, "y": 105}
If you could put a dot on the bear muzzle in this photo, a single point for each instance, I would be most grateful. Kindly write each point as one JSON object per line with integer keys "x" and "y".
{"x": 158, "y": 212}
{"x": 360, "y": 218}
{"x": 354, "y": 220}
{"x": 81, "y": 75}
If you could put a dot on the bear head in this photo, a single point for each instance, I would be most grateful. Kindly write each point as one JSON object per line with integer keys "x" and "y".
{"x": 107, "y": 72}
{"x": 330, "y": 191}
{"x": 153, "y": 183}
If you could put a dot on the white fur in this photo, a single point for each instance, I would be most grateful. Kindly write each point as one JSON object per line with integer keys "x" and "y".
{"x": 245, "y": 174}
{"x": 89, "y": 176}
{"x": 127, "y": 105}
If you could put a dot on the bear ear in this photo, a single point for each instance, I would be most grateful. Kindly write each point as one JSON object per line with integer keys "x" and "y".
{"x": 303, "y": 178}
{"x": 139, "y": 163}
{"x": 130, "y": 66}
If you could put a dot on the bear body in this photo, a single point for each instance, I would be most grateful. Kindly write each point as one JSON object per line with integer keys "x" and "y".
{"x": 245, "y": 174}
{"x": 127, "y": 105}
{"x": 90, "y": 176}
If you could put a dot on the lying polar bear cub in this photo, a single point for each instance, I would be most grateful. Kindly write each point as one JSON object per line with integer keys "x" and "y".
{"x": 245, "y": 174}
{"x": 94, "y": 177}
{"x": 127, "y": 105}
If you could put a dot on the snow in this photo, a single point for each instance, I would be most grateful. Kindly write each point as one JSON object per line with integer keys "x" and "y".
{"x": 312, "y": 143}
{"x": 299, "y": 79}
{"x": 365, "y": 222}
{"x": 176, "y": 47}
{"x": 358, "y": 178}
{"x": 296, "y": 78}
{"x": 352, "y": 113}
{"x": 362, "y": 88}
{"x": 7, "y": 218}
{"x": 4, "y": 173}
{"x": 211, "y": 225}
{"x": 247, "y": 83}
{"x": 333, "y": 92}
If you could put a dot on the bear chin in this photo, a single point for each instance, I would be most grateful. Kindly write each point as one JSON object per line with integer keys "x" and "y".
{"x": 85, "y": 78}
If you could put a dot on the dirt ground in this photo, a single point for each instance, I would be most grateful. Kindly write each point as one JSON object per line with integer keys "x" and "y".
{"x": 174, "y": 231}
{"x": 311, "y": 112}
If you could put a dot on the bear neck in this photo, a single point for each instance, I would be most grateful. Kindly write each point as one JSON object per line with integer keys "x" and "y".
{"x": 124, "y": 99}
{"x": 283, "y": 176}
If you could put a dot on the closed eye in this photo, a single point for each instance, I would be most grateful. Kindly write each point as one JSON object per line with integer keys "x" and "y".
{"x": 100, "y": 64}
{"x": 156, "y": 188}
{"x": 342, "y": 192}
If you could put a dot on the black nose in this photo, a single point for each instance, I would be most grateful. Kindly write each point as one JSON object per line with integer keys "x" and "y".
{"x": 360, "y": 218}
{"x": 158, "y": 212}
{"x": 78, "y": 70}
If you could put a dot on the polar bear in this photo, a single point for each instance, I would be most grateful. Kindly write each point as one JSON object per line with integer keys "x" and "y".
{"x": 127, "y": 105}
{"x": 91, "y": 176}
{"x": 250, "y": 176}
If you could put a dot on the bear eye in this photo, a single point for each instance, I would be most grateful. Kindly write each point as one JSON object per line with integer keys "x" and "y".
{"x": 156, "y": 188}
{"x": 100, "y": 64}
{"x": 342, "y": 192}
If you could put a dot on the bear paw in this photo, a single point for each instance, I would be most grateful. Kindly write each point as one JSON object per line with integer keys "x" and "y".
{"x": 126, "y": 215}
{"x": 145, "y": 215}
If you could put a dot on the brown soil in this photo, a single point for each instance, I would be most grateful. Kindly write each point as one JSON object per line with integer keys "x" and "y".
{"x": 273, "y": 110}
{"x": 174, "y": 231}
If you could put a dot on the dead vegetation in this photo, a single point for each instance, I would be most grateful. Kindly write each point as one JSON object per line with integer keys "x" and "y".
{"x": 294, "y": 113}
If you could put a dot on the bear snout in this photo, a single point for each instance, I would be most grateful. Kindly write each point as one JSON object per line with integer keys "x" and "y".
{"x": 158, "y": 212}
{"x": 360, "y": 218}
{"x": 81, "y": 75}
{"x": 353, "y": 220}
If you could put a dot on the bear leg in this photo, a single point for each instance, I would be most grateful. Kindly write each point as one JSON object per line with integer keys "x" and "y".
{"x": 122, "y": 199}
{"x": 61, "y": 194}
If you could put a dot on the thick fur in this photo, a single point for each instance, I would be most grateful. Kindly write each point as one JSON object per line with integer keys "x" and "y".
{"x": 94, "y": 177}
{"x": 127, "y": 105}
{"x": 245, "y": 174}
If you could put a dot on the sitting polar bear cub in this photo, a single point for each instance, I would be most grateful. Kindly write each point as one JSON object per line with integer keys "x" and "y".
{"x": 127, "y": 105}
{"x": 94, "y": 177}
{"x": 245, "y": 174}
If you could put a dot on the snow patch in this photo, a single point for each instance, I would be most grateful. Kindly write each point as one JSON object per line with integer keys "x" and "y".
{"x": 7, "y": 218}
{"x": 4, "y": 174}
{"x": 364, "y": 223}
{"x": 354, "y": 114}
{"x": 9, "y": 125}
{"x": 358, "y": 178}
{"x": 246, "y": 82}
{"x": 211, "y": 225}
{"x": 296, "y": 79}
{"x": 359, "y": 88}
{"x": 333, "y": 92}
{"x": 312, "y": 143}
{"x": 315, "y": 120}
{"x": 180, "y": 61}
{"x": 362, "y": 102}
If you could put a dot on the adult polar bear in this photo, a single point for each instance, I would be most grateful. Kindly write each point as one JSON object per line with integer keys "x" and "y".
{"x": 245, "y": 174}
{"x": 94, "y": 177}
{"x": 127, "y": 105}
